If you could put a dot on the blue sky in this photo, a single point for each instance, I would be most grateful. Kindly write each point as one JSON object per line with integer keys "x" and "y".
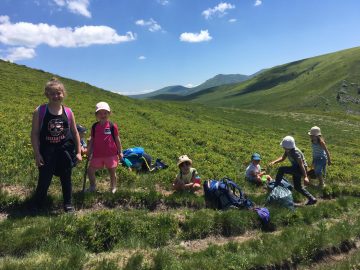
{"x": 134, "y": 46}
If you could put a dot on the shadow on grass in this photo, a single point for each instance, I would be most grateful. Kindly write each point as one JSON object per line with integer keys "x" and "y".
{"x": 28, "y": 208}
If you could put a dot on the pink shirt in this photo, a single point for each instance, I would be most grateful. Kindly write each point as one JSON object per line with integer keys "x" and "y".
{"x": 103, "y": 143}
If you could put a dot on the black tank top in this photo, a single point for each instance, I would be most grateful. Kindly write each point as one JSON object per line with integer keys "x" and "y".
{"x": 55, "y": 131}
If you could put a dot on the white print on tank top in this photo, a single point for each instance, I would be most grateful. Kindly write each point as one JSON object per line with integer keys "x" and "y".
{"x": 56, "y": 130}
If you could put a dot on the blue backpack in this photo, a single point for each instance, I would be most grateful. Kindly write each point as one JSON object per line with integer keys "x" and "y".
{"x": 136, "y": 158}
{"x": 225, "y": 193}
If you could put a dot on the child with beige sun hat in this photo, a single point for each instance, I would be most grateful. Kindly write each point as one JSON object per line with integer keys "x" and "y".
{"x": 187, "y": 178}
{"x": 320, "y": 154}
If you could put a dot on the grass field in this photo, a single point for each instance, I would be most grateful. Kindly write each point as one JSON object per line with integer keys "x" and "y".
{"x": 144, "y": 225}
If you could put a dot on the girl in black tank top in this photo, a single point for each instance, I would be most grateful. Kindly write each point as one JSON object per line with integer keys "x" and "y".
{"x": 54, "y": 138}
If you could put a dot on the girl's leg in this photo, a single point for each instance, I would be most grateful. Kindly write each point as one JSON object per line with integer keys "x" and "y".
{"x": 320, "y": 170}
{"x": 179, "y": 186}
{"x": 45, "y": 176}
{"x": 91, "y": 174}
{"x": 280, "y": 173}
{"x": 301, "y": 189}
{"x": 66, "y": 186}
{"x": 112, "y": 172}
{"x": 321, "y": 181}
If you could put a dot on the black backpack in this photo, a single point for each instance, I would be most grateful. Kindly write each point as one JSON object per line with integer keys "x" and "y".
{"x": 225, "y": 193}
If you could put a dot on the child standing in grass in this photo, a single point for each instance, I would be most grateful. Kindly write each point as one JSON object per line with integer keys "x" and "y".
{"x": 187, "y": 178}
{"x": 297, "y": 168}
{"x": 253, "y": 172}
{"x": 320, "y": 154}
{"x": 56, "y": 143}
{"x": 105, "y": 147}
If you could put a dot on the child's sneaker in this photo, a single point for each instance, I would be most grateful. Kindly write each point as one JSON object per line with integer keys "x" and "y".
{"x": 311, "y": 201}
{"x": 113, "y": 190}
{"x": 68, "y": 208}
{"x": 91, "y": 189}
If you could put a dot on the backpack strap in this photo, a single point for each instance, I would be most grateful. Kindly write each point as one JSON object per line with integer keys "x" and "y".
{"x": 93, "y": 129}
{"x": 233, "y": 186}
{"x": 69, "y": 114}
{"x": 112, "y": 130}
{"x": 42, "y": 111}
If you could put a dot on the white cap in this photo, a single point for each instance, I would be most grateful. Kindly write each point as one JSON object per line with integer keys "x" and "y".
{"x": 102, "y": 106}
{"x": 288, "y": 142}
{"x": 315, "y": 131}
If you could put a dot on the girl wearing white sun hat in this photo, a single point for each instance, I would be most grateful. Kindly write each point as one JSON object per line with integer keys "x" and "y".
{"x": 297, "y": 168}
{"x": 320, "y": 154}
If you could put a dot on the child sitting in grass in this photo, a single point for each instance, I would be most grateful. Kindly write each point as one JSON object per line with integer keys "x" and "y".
{"x": 253, "y": 172}
{"x": 187, "y": 178}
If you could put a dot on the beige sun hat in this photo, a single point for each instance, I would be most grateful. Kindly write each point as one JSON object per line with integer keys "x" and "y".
{"x": 102, "y": 106}
{"x": 183, "y": 159}
{"x": 315, "y": 131}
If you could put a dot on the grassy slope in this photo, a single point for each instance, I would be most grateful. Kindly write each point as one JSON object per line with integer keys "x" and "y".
{"x": 219, "y": 141}
{"x": 310, "y": 84}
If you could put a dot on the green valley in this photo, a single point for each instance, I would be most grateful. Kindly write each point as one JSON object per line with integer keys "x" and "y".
{"x": 147, "y": 226}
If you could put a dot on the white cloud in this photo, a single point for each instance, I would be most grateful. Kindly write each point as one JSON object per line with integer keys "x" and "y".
{"x": 219, "y": 10}
{"x": 19, "y": 53}
{"x": 232, "y": 20}
{"x": 152, "y": 24}
{"x": 196, "y": 37}
{"x": 163, "y": 2}
{"x": 258, "y": 2}
{"x": 142, "y": 57}
{"x": 32, "y": 35}
{"x": 80, "y": 7}
{"x": 60, "y": 3}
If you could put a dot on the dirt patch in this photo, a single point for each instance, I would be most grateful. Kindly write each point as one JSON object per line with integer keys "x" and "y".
{"x": 202, "y": 244}
{"x": 14, "y": 190}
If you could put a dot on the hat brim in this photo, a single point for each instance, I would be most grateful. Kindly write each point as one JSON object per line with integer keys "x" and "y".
{"x": 105, "y": 109}
{"x": 185, "y": 160}
{"x": 319, "y": 134}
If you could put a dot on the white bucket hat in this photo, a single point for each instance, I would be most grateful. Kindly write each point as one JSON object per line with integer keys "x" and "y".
{"x": 182, "y": 159}
{"x": 288, "y": 142}
{"x": 102, "y": 106}
{"x": 315, "y": 131}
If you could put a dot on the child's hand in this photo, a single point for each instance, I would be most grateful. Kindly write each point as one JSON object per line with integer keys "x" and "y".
{"x": 306, "y": 181}
{"x": 79, "y": 157}
{"x": 121, "y": 156}
{"x": 39, "y": 161}
{"x": 329, "y": 162}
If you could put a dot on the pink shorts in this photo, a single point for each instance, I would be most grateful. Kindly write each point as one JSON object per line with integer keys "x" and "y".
{"x": 107, "y": 162}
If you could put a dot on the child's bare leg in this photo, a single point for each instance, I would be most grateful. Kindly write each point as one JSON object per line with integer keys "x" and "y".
{"x": 112, "y": 172}
{"x": 91, "y": 174}
{"x": 321, "y": 181}
{"x": 178, "y": 187}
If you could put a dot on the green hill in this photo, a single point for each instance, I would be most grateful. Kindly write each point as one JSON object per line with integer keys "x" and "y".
{"x": 327, "y": 83}
{"x": 177, "y": 91}
{"x": 144, "y": 225}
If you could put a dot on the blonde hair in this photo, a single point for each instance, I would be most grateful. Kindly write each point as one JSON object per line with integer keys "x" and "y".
{"x": 54, "y": 84}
